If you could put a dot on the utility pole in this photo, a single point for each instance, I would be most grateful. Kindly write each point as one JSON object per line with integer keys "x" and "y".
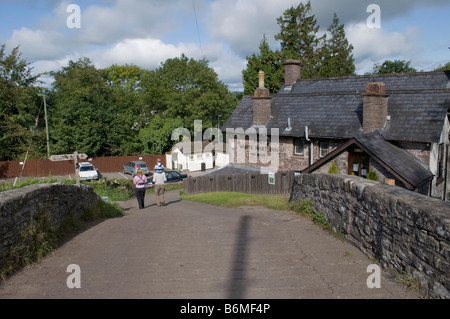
{"x": 46, "y": 125}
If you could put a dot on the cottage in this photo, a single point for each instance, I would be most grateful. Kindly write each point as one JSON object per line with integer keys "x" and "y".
{"x": 196, "y": 156}
{"x": 395, "y": 125}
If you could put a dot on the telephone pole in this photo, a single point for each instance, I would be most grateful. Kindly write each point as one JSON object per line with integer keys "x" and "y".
{"x": 46, "y": 125}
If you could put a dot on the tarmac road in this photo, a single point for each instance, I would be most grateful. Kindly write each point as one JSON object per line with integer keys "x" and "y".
{"x": 188, "y": 250}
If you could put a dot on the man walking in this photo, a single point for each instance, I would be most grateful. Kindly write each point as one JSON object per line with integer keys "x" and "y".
{"x": 159, "y": 178}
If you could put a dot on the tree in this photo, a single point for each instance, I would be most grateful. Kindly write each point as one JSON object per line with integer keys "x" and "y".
{"x": 445, "y": 67}
{"x": 80, "y": 116}
{"x": 188, "y": 89}
{"x": 397, "y": 66}
{"x": 336, "y": 53}
{"x": 156, "y": 137}
{"x": 298, "y": 38}
{"x": 19, "y": 106}
{"x": 268, "y": 61}
{"x": 126, "y": 105}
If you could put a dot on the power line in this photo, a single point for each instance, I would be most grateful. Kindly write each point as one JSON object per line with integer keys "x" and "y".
{"x": 196, "y": 23}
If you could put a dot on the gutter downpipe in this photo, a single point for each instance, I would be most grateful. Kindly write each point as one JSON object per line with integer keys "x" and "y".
{"x": 311, "y": 147}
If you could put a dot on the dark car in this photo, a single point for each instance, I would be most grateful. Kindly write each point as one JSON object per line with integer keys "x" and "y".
{"x": 174, "y": 176}
{"x": 132, "y": 167}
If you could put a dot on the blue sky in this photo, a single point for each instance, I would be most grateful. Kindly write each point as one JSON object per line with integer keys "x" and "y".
{"x": 147, "y": 32}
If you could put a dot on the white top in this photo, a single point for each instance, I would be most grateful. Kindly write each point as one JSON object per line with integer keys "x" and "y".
{"x": 159, "y": 178}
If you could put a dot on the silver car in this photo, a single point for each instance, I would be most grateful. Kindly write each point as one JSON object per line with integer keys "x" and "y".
{"x": 132, "y": 167}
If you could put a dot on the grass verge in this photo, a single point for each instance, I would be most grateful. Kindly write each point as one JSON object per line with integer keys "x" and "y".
{"x": 232, "y": 199}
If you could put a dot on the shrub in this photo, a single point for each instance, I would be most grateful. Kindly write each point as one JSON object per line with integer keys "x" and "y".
{"x": 333, "y": 168}
{"x": 372, "y": 176}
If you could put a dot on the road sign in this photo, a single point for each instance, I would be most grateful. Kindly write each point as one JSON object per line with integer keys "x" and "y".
{"x": 66, "y": 157}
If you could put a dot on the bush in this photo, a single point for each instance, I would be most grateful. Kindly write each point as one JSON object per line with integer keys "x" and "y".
{"x": 333, "y": 168}
{"x": 372, "y": 176}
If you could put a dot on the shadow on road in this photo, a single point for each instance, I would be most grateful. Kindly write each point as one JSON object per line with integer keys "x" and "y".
{"x": 238, "y": 267}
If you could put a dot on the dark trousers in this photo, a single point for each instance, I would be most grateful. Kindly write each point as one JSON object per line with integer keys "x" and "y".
{"x": 140, "y": 195}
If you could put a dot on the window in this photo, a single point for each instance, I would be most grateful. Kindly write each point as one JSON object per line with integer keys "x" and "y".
{"x": 324, "y": 146}
{"x": 358, "y": 164}
{"x": 207, "y": 155}
{"x": 199, "y": 156}
{"x": 299, "y": 147}
{"x": 191, "y": 157}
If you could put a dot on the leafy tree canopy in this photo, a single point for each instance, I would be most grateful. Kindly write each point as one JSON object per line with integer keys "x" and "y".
{"x": 396, "y": 66}
{"x": 19, "y": 106}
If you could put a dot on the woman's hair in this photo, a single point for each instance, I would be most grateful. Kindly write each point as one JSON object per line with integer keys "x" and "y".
{"x": 139, "y": 171}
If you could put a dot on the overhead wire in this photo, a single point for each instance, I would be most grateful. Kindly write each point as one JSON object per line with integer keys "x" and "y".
{"x": 198, "y": 30}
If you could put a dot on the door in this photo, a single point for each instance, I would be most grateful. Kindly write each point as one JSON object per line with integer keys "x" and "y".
{"x": 358, "y": 164}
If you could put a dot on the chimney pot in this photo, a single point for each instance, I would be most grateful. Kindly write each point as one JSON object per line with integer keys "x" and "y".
{"x": 261, "y": 79}
{"x": 292, "y": 72}
{"x": 376, "y": 88}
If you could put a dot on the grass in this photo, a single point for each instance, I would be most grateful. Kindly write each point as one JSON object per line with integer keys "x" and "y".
{"x": 232, "y": 199}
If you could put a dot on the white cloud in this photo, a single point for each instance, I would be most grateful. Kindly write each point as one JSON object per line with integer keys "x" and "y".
{"x": 37, "y": 44}
{"x": 375, "y": 44}
{"x": 247, "y": 22}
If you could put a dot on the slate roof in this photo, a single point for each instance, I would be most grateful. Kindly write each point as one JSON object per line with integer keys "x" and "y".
{"x": 400, "y": 163}
{"x": 332, "y": 107}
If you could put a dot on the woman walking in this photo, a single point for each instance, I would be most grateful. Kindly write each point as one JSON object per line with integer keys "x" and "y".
{"x": 140, "y": 180}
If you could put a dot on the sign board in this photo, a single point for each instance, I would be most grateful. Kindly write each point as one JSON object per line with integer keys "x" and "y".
{"x": 66, "y": 157}
{"x": 271, "y": 178}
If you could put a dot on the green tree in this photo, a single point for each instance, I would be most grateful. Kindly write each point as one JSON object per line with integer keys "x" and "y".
{"x": 397, "y": 66}
{"x": 126, "y": 106}
{"x": 188, "y": 89}
{"x": 156, "y": 137}
{"x": 19, "y": 106}
{"x": 268, "y": 61}
{"x": 445, "y": 67}
{"x": 336, "y": 53}
{"x": 298, "y": 38}
{"x": 80, "y": 116}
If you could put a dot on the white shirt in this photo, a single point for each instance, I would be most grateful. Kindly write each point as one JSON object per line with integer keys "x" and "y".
{"x": 159, "y": 178}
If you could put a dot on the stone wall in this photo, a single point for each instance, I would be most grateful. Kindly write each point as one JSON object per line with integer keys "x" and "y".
{"x": 19, "y": 206}
{"x": 405, "y": 231}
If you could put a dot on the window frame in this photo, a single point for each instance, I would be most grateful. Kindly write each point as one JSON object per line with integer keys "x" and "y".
{"x": 322, "y": 148}
{"x": 302, "y": 141}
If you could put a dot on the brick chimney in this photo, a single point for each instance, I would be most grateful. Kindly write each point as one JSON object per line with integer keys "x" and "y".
{"x": 375, "y": 108}
{"x": 262, "y": 109}
{"x": 292, "y": 72}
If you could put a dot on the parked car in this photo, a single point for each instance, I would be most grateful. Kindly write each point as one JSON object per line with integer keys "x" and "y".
{"x": 174, "y": 176}
{"x": 87, "y": 171}
{"x": 132, "y": 167}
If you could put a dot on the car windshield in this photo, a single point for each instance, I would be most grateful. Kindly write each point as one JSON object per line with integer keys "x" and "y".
{"x": 86, "y": 168}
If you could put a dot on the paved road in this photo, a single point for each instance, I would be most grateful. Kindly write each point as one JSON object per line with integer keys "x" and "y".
{"x": 189, "y": 250}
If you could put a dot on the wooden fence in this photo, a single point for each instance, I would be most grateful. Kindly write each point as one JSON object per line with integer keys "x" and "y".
{"x": 46, "y": 167}
{"x": 249, "y": 183}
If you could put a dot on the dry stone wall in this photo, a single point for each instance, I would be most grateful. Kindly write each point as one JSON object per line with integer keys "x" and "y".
{"x": 405, "y": 231}
{"x": 20, "y": 206}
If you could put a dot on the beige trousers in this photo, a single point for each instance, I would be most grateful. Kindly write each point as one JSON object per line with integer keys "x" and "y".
{"x": 160, "y": 190}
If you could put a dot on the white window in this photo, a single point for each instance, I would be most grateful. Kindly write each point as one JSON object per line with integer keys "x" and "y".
{"x": 191, "y": 157}
{"x": 207, "y": 155}
{"x": 324, "y": 146}
{"x": 299, "y": 147}
{"x": 199, "y": 156}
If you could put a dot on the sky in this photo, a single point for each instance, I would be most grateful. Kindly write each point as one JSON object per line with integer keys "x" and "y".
{"x": 146, "y": 33}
